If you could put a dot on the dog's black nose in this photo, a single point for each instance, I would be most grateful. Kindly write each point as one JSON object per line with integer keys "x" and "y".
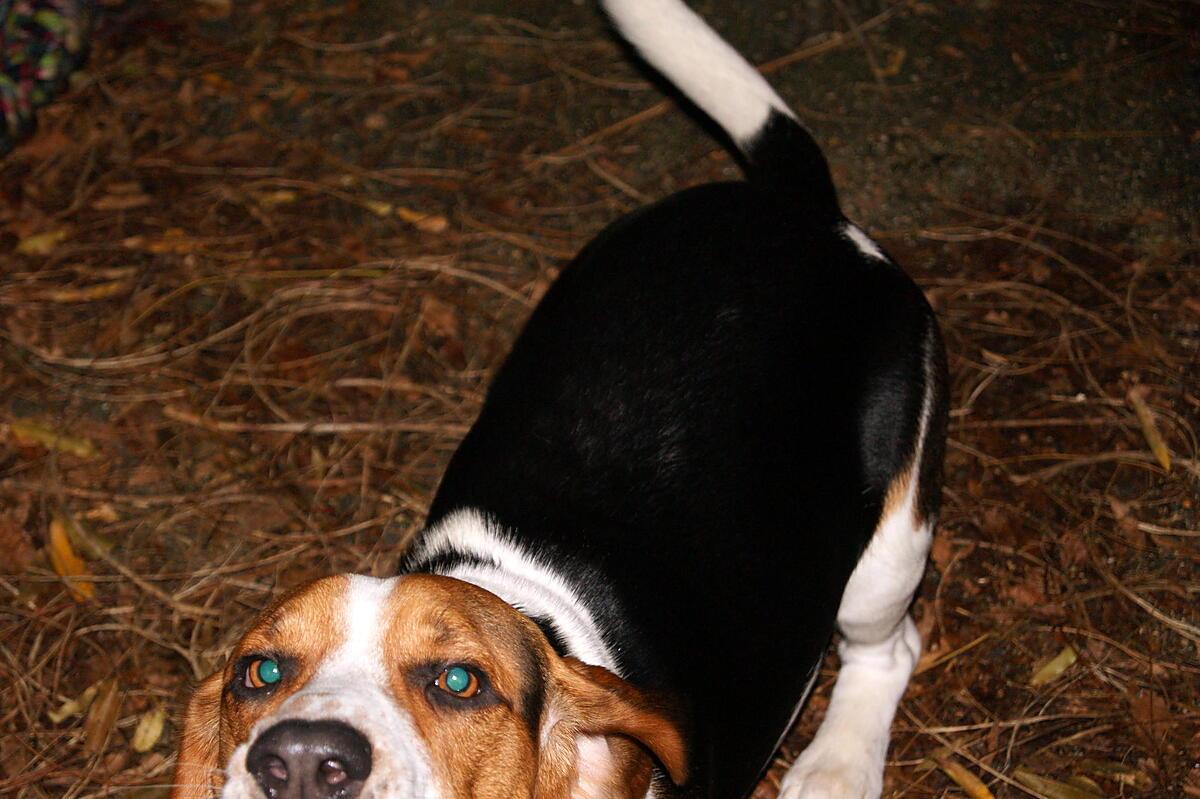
{"x": 299, "y": 759}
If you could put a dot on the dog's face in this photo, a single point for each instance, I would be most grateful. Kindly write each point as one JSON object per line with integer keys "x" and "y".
{"x": 417, "y": 687}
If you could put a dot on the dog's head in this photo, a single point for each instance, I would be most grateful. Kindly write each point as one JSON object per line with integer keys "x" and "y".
{"x": 416, "y": 687}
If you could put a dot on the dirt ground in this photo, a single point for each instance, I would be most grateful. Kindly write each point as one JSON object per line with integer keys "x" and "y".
{"x": 258, "y": 264}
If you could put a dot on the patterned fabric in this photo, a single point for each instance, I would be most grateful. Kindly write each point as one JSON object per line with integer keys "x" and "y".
{"x": 41, "y": 41}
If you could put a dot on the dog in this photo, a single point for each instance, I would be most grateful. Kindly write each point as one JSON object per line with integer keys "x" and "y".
{"x": 719, "y": 436}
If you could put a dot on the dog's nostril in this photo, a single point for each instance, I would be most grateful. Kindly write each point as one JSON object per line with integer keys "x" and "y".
{"x": 276, "y": 769}
{"x": 333, "y": 772}
{"x": 298, "y": 759}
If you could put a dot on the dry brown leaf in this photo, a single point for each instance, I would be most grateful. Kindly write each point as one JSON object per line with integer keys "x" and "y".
{"x": 64, "y": 560}
{"x": 1118, "y": 772}
{"x": 413, "y": 59}
{"x": 440, "y": 318}
{"x": 102, "y": 716}
{"x": 211, "y": 10}
{"x": 1030, "y": 592}
{"x": 15, "y": 539}
{"x": 1127, "y": 522}
{"x": 218, "y": 82}
{"x": 121, "y": 202}
{"x": 45, "y": 144}
{"x": 1152, "y": 715}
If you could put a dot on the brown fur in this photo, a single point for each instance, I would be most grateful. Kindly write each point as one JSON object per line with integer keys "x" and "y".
{"x": 897, "y": 491}
{"x": 303, "y": 623}
{"x": 197, "y": 773}
{"x": 528, "y": 742}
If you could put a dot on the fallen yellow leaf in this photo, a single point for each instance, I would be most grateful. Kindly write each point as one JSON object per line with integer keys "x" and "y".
{"x": 1085, "y": 783}
{"x": 1118, "y": 772}
{"x": 28, "y": 432}
{"x": 970, "y": 784}
{"x": 65, "y": 562}
{"x": 430, "y": 223}
{"x": 175, "y": 241}
{"x": 73, "y": 707}
{"x": 270, "y": 199}
{"x": 149, "y": 729}
{"x": 99, "y": 291}
{"x": 895, "y": 61}
{"x": 1052, "y": 789}
{"x": 101, "y": 717}
{"x": 104, "y": 512}
{"x": 42, "y": 243}
{"x": 1054, "y": 668}
{"x": 378, "y": 207}
{"x": 1145, "y": 417}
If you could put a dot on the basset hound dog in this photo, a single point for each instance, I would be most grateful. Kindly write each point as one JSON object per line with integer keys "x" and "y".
{"x": 719, "y": 437}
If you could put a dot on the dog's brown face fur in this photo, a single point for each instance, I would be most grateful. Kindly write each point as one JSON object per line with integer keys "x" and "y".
{"x": 373, "y": 654}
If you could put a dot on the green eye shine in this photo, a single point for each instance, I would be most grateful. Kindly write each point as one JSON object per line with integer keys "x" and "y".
{"x": 262, "y": 672}
{"x": 458, "y": 681}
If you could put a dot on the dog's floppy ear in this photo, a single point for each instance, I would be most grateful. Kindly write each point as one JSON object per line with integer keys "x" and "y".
{"x": 197, "y": 769}
{"x": 597, "y": 734}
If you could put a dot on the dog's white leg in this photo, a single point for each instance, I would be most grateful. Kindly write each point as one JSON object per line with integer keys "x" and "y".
{"x": 879, "y": 649}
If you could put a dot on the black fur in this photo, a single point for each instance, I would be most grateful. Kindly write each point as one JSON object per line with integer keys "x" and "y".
{"x": 698, "y": 427}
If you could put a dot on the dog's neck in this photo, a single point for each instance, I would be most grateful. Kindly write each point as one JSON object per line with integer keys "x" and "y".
{"x": 468, "y": 546}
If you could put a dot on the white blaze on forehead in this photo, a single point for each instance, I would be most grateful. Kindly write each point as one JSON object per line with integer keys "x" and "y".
{"x": 361, "y": 652}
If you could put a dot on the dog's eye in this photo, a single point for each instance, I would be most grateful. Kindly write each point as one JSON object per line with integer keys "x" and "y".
{"x": 458, "y": 681}
{"x": 262, "y": 672}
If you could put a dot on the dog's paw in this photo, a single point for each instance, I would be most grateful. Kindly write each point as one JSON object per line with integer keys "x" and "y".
{"x": 832, "y": 778}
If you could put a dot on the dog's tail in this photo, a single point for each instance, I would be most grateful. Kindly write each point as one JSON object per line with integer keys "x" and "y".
{"x": 778, "y": 151}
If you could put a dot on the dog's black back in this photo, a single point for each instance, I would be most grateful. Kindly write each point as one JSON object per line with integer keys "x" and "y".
{"x": 675, "y": 419}
{"x": 702, "y": 421}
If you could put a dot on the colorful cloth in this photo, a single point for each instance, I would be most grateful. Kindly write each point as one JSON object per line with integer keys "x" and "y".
{"x": 41, "y": 42}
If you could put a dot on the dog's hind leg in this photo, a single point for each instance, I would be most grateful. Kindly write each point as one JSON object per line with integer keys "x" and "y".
{"x": 880, "y": 646}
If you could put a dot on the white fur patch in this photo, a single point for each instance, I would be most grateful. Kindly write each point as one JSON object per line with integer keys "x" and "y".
{"x": 520, "y": 579}
{"x": 351, "y": 686}
{"x": 845, "y": 760}
{"x": 879, "y": 650}
{"x": 862, "y": 241}
{"x": 700, "y": 63}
